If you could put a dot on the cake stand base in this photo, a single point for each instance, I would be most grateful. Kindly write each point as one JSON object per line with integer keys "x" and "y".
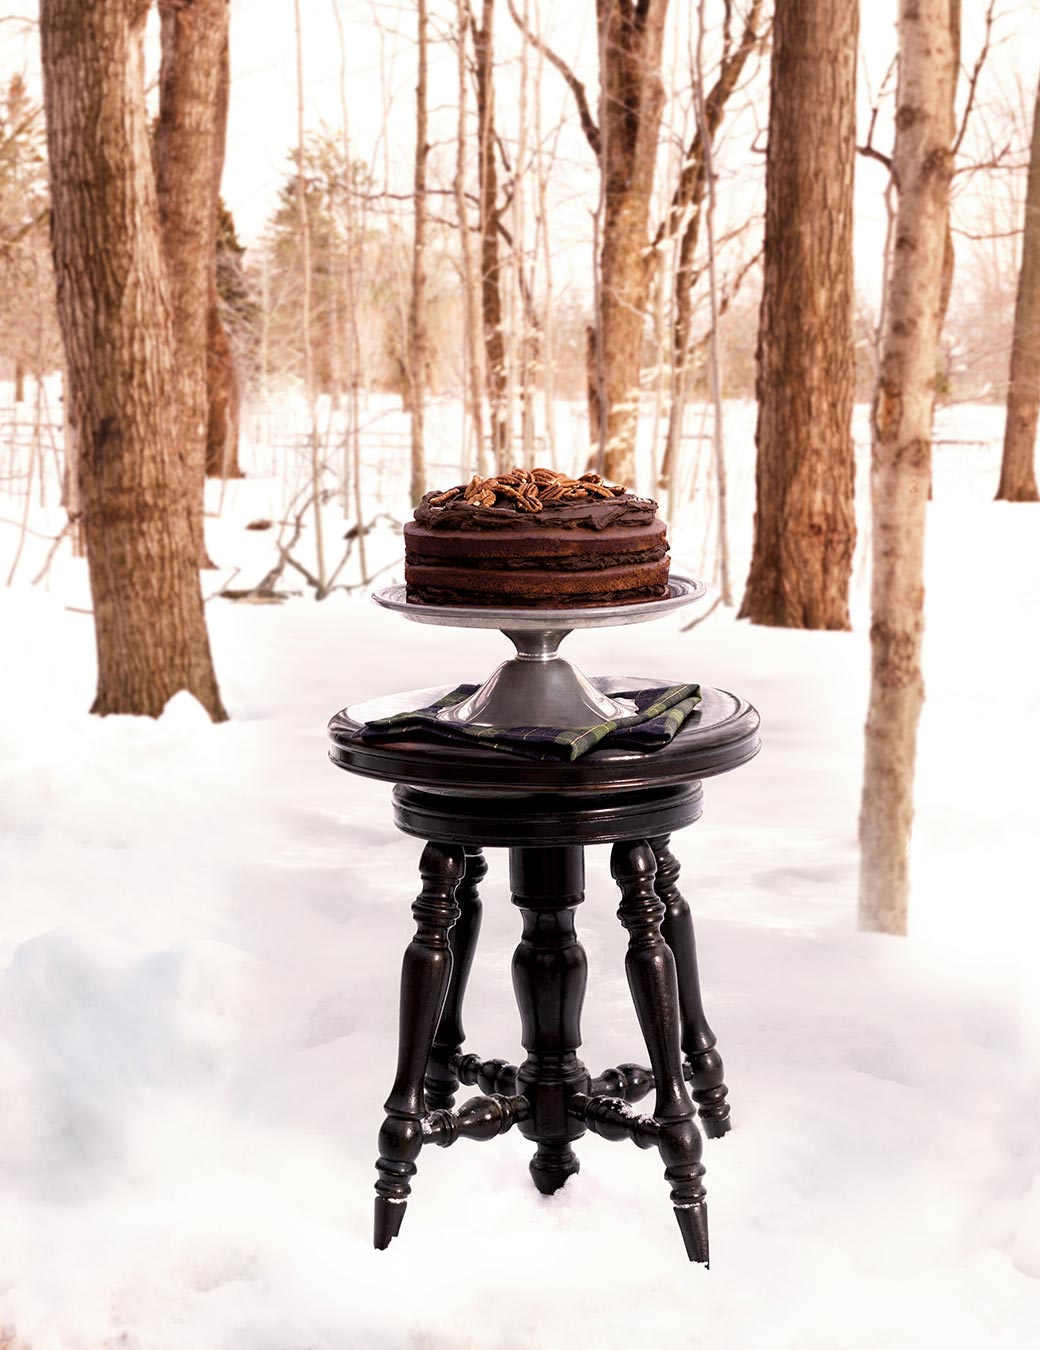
{"x": 538, "y": 687}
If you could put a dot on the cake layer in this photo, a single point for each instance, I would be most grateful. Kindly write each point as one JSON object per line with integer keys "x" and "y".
{"x": 431, "y": 595}
{"x": 537, "y": 547}
{"x": 494, "y": 586}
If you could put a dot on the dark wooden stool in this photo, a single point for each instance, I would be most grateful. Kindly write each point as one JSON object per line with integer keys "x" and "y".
{"x": 462, "y": 799}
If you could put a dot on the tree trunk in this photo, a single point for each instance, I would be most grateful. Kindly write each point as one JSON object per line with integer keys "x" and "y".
{"x": 902, "y": 426}
{"x": 223, "y": 398}
{"x": 194, "y": 38}
{"x": 632, "y": 100}
{"x": 222, "y": 390}
{"x": 688, "y": 199}
{"x": 593, "y": 391}
{"x": 474, "y": 395}
{"x": 490, "y": 265}
{"x": 1017, "y": 471}
{"x": 805, "y": 527}
{"x": 418, "y": 343}
{"x": 306, "y": 280}
{"x": 140, "y": 504}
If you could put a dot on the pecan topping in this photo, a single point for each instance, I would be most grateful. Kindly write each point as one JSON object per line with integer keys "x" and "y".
{"x": 529, "y": 489}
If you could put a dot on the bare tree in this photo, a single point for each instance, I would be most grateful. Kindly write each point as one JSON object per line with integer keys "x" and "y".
{"x": 805, "y": 525}
{"x": 317, "y": 466}
{"x": 139, "y": 500}
{"x": 29, "y": 337}
{"x": 625, "y": 143}
{"x": 418, "y": 341}
{"x": 631, "y": 33}
{"x": 1017, "y": 468}
{"x": 902, "y": 428}
{"x": 187, "y": 157}
{"x": 223, "y": 390}
{"x": 351, "y": 287}
{"x": 686, "y": 209}
{"x": 490, "y": 263}
{"x": 472, "y": 346}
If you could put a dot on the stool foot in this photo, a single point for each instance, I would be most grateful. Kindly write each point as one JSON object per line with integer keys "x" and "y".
{"x": 693, "y": 1224}
{"x": 425, "y": 973}
{"x": 388, "y": 1217}
{"x": 552, "y": 1165}
{"x": 705, "y": 1068}
{"x": 679, "y": 1142}
{"x": 651, "y": 969}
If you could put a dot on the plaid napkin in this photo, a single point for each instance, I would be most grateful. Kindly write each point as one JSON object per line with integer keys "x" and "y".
{"x": 660, "y": 713}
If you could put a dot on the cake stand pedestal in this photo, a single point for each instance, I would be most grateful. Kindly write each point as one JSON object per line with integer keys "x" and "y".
{"x": 537, "y": 687}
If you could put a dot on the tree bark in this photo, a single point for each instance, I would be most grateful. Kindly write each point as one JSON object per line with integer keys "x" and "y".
{"x": 632, "y": 99}
{"x": 1017, "y": 469}
{"x": 223, "y": 398}
{"x": 805, "y": 527}
{"x": 490, "y": 264}
{"x": 222, "y": 389}
{"x": 902, "y": 428}
{"x": 418, "y": 342}
{"x": 139, "y": 502}
{"x": 187, "y": 156}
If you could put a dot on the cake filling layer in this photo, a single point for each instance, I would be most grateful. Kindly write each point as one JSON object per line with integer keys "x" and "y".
{"x": 562, "y": 563}
{"x": 496, "y": 584}
{"x": 544, "y": 545}
{"x": 433, "y": 595}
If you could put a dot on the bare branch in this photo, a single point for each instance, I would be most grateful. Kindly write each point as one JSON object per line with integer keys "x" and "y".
{"x": 869, "y": 152}
{"x": 690, "y": 188}
{"x": 575, "y": 85}
{"x": 973, "y": 82}
{"x": 988, "y": 235}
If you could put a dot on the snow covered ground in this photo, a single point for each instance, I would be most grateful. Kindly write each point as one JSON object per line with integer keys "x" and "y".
{"x": 198, "y": 960}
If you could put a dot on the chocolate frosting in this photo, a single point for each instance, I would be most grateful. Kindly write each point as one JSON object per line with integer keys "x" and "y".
{"x": 594, "y": 514}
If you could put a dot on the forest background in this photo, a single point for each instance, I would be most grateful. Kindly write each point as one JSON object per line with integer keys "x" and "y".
{"x": 375, "y": 67}
{"x": 407, "y": 278}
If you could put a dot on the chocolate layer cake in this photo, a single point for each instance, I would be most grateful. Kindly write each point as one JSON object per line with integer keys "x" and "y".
{"x": 535, "y": 539}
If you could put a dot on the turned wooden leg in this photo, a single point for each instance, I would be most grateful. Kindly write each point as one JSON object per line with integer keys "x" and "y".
{"x": 650, "y": 967}
{"x": 441, "y": 1079}
{"x": 698, "y": 1039}
{"x": 425, "y": 973}
{"x": 549, "y": 975}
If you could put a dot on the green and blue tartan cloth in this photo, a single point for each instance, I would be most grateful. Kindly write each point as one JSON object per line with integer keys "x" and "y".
{"x": 660, "y": 713}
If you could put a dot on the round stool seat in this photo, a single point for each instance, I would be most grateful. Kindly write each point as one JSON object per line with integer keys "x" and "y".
{"x": 721, "y": 735}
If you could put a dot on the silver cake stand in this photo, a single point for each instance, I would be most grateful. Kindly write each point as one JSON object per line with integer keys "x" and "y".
{"x": 537, "y": 687}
